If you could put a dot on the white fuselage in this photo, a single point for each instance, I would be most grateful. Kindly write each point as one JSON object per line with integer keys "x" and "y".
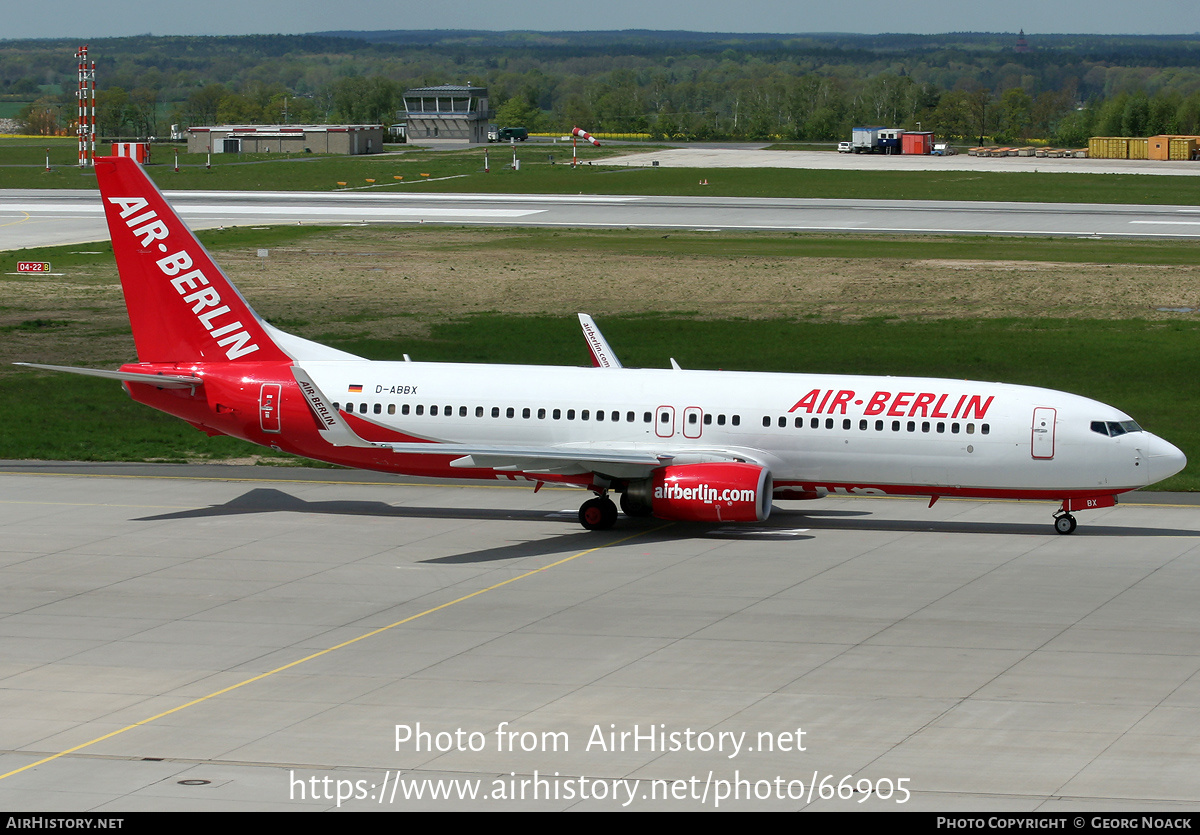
{"x": 866, "y": 434}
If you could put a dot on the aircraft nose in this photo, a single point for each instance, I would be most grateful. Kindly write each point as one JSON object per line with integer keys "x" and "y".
{"x": 1163, "y": 459}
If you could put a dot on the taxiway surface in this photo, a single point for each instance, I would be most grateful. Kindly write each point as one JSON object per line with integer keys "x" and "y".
{"x": 250, "y": 638}
{"x": 43, "y": 218}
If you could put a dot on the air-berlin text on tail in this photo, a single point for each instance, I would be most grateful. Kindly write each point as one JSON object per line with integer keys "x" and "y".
{"x": 928, "y": 404}
{"x": 193, "y": 286}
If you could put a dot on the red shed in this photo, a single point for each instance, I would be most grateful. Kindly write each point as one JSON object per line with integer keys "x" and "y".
{"x": 917, "y": 143}
{"x": 138, "y": 150}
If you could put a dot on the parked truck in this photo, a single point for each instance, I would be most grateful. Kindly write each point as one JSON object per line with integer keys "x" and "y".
{"x": 876, "y": 140}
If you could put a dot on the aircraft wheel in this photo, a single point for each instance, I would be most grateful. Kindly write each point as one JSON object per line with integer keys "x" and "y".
{"x": 598, "y": 514}
{"x": 1065, "y": 523}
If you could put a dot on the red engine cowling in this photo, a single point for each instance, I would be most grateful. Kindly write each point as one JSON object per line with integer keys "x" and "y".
{"x": 718, "y": 492}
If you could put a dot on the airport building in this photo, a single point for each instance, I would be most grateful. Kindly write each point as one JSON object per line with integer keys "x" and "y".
{"x": 448, "y": 112}
{"x": 294, "y": 139}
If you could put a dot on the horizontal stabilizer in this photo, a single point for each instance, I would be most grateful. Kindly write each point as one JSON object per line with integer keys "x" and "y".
{"x": 163, "y": 381}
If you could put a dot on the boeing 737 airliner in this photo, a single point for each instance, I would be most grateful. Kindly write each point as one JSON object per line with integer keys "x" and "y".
{"x": 709, "y": 446}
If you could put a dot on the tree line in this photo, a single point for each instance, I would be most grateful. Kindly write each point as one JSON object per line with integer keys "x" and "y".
{"x": 683, "y": 86}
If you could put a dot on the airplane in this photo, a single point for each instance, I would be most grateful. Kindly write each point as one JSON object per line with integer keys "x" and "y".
{"x": 676, "y": 444}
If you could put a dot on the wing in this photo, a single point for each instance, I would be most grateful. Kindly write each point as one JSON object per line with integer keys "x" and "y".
{"x": 567, "y": 459}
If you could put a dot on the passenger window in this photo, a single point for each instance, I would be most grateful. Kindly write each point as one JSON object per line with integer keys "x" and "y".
{"x": 420, "y": 410}
{"x": 541, "y": 414}
{"x": 570, "y": 414}
{"x": 556, "y": 414}
{"x": 720, "y": 420}
{"x": 478, "y": 411}
{"x": 510, "y": 412}
{"x": 404, "y": 409}
{"x": 736, "y": 420}
{"x": 495, "y": 411}
{"x": 525, "y": 413}
{"x": 433, "y": 411}
{"x": 970, "y": 429}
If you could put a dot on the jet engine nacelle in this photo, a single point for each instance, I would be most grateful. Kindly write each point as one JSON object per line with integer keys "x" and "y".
{"x": 713, "y": 492}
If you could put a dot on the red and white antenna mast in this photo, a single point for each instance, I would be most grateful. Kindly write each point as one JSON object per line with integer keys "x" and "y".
{"x": 87, "y": 108}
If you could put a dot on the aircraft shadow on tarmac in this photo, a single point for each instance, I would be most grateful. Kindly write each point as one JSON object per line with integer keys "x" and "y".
{"x": 785, "y": 524}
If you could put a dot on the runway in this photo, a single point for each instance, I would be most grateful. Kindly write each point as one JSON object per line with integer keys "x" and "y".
{"x": 31, "y": 217}
{"x": 240, "y": 638}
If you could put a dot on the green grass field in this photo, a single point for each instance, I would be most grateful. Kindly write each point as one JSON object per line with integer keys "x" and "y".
{"x": 22, "y": 164}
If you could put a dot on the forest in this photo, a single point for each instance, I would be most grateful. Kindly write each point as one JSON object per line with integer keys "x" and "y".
{"x": 685, "y": 86}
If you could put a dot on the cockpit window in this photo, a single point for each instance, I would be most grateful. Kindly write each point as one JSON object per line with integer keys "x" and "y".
{"x": 1113, "y": 428}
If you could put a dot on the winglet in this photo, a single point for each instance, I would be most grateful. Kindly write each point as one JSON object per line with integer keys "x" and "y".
{"x": 602, "y": 354}
{"x": 334, "y": 430}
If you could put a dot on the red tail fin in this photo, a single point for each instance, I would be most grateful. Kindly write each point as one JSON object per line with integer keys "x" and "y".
{"x": 181, "y": 306}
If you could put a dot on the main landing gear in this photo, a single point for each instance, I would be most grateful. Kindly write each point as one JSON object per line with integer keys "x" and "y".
{"x": 598, "y": 514}
{"x": 1064, "y": 523}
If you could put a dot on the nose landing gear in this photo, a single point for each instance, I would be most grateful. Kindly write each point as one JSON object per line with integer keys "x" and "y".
{"x": 1064, "y": 523}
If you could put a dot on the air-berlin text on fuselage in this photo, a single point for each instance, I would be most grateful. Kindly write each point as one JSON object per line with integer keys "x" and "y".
{"x": 927, "y": 404}
{"x": 193, "y": 286}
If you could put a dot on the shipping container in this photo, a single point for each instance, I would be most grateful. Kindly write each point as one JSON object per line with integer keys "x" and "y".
{"x": 1108, "y": 147}
{"x": 1139, "y": 148}
{"x": 1181, "y": 147}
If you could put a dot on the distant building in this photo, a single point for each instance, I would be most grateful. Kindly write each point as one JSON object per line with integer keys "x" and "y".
{"x": 1022, "y": 44}
{"x": 447, "y": 112}
{"x": 295, "y": 139}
